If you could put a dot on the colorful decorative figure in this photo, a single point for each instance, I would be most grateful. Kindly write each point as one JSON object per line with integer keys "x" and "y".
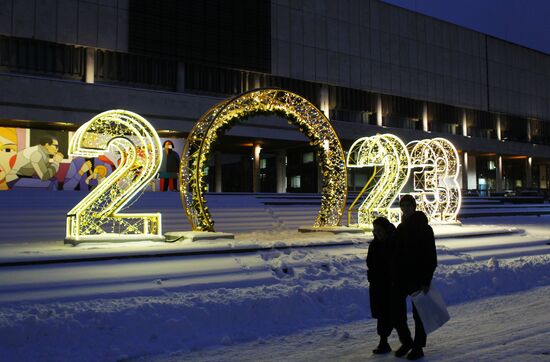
{"x": 32, "y": 166}
{"x": 79, "y": 170}
{"x": 82, "y": 170}
{"x": 97, "y": 176}
{"x": 8, "y": 152}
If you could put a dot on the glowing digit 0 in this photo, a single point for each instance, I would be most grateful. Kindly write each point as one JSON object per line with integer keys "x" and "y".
{"x": 297, "y": 110}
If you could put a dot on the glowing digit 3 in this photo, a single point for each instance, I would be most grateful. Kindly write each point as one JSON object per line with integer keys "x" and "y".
{"x": 436, "y": 181}
{"x": 97, "y": 216}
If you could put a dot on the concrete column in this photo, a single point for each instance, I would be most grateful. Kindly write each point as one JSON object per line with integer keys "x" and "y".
{"x": 528, "y": 131}
{"x": 218, "y": 172}
{"x": 499, "y": 129}
{"x": 256, "y": 169}
{"x": 90, "y": 66}
{"x": 464, "y": 171}
{"x": 468, "y": 170}
{"x": 281, "y": 171}
{"x": 379, "y": 119}
{"x": 425, "y": 116}
{"x": 529, "y": 172}
{"x": 464, "y": 124}
{"x": 498, "y": 183}
{"x": 471, "y": 172}
{"x": 542, "y": 177}
{"x": 180, "y": 85}
{"x": 245, "y": 76}
{"x": 324, "y": 101}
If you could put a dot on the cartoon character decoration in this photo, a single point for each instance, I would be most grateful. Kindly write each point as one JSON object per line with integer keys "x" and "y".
{"x": 86, "y": 173}
{"x": 32, "y": 167}
{"x": 169, "y": 167}
{"x": 76, "y": 176}
{"x": 8, "y": 152}
{"x": 97, "y": 176}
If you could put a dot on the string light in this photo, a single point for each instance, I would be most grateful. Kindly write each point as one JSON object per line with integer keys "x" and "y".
{"x": 298, "y": 111}
{"x": 97, "y": 216}
{"x": 435, "y": 167}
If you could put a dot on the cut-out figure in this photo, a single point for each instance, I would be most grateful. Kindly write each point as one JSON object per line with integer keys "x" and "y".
{"x": 8, "y": 151}
{"x": 34, "y": 163}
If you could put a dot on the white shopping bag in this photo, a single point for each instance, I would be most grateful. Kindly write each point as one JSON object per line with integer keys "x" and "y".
{"x": 431, "y": 308}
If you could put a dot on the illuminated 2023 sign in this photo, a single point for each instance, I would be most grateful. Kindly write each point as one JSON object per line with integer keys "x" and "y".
{"x": 433, "y": 164}
{"x": 435, "y": 168}
{"x": 97, "y": 216}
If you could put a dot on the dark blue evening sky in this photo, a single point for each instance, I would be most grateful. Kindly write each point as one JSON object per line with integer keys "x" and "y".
{"x": 524, "y": 22}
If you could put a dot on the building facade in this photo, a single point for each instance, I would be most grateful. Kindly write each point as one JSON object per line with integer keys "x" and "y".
{"x": 369, "y": 66}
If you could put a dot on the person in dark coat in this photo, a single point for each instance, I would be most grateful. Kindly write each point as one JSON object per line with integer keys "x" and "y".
{"x": 169, "y": 167}
{"x": 414, "y": 262}
{"x": 378, "y": 275}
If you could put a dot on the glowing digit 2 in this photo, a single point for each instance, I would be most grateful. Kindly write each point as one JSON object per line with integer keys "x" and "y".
{"x": 97, "y": 217}
{"x": 390, "y": 159}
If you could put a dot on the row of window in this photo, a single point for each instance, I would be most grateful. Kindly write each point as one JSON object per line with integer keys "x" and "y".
{"x": 41, "y": 57}
{"x": 345, "y": 104}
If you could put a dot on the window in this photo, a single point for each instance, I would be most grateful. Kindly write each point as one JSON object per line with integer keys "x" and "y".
{"x": 307, "y": 157}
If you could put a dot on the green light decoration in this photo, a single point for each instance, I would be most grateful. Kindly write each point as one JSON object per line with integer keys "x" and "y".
{"x": 298, "y": 111}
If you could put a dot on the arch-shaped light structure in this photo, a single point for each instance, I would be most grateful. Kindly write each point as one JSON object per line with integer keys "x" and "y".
{"x": 298, "y": 111}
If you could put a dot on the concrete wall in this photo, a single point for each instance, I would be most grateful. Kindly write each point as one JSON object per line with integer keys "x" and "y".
{"x": 519, "y": 79}
{"x": 374, "y": 46}
{"x": 95, "y": 23}
{"x": 378, "y": 47}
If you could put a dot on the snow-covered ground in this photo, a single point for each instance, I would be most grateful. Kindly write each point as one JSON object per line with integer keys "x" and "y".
{"x": 513, "y": 327}
{"x": 291, "y": 303}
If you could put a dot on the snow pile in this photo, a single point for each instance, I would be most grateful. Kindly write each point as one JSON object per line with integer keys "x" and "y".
{"x": 471, "y": 281}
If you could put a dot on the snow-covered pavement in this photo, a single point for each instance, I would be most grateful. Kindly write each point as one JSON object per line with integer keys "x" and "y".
{"x": 150, "y": 308}
{"x": 513, "y": 328}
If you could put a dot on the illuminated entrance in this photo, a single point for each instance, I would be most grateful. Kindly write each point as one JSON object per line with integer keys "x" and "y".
{"x": 298, "y": 111}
